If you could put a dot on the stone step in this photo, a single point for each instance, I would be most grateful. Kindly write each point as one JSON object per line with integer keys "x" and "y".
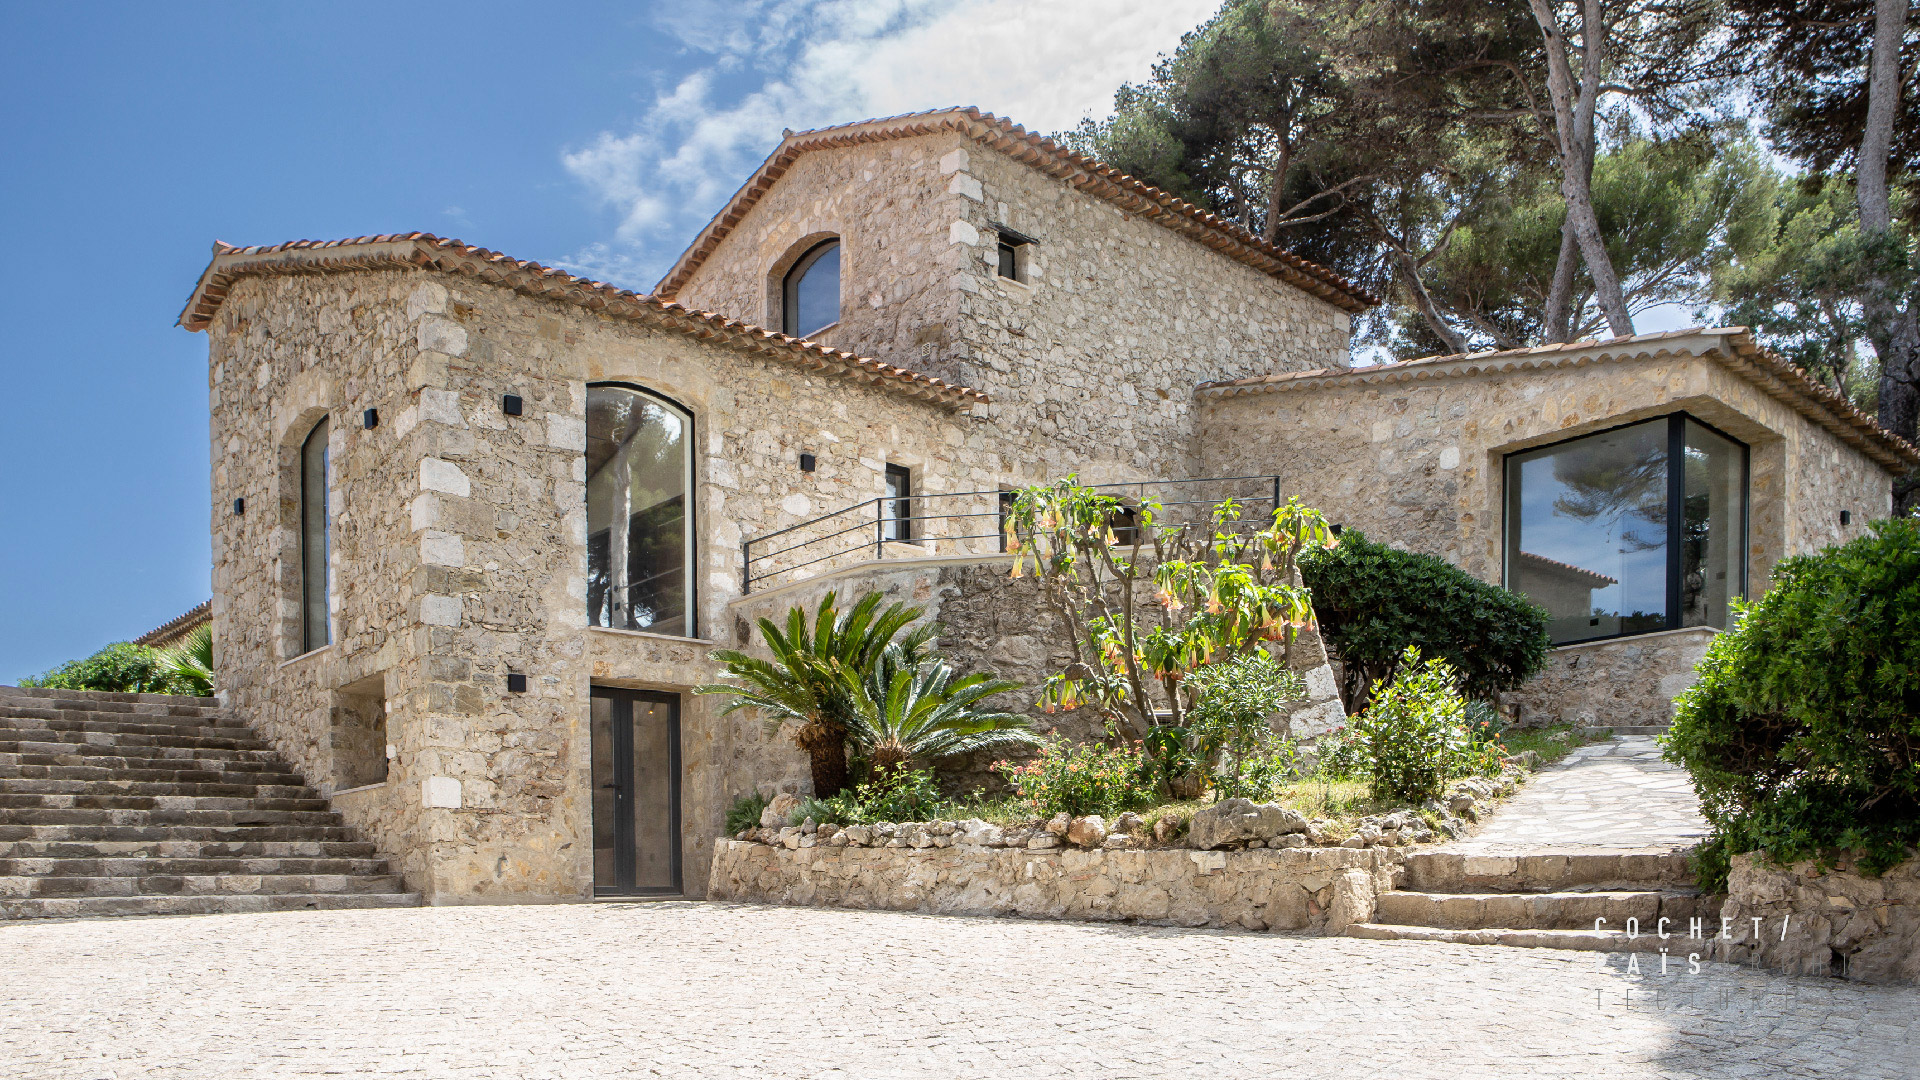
{"x": 129, "y": 751}
{"x": 114, "y": 723}
{"x": 122, "y": 764}
{"x": 43, "y": 886}
{"x": 43, "y": 786}
{"x": 1542, "y": 911}
{"x": 90, "y": 906}
{"x": 106, "y": 698}
{"x": 168, "y": 847}
{"x": 12, "y": 800}
{"x": 188, "y": 818}
{"x": 228, "y": 834}
{"x": 216, "y": 773}
{"x": 1445, "y": 871}
{"x": 45, "y": 732}
{"x": 150, "y": 866}
{"x": 1678, "y": 946}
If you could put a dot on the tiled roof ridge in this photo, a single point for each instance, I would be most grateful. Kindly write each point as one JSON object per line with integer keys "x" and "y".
{"x": 1558, "y": 565}
{"x": 1775, "y": 377}
{"x": 427, "y": 251}
{"x": 193, "y": 616}
{"x": 1043, "y": 153}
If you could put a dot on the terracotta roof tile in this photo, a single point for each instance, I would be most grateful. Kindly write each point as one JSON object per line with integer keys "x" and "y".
{"x": 419, "y": 250}
{"x": 1040, "y": 152}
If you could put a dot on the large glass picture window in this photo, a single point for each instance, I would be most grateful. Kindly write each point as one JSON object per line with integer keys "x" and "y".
{"x": 810, "y": 296}
{"x": 639, "y": 512}
{"x": 316, "y": 628}
{"x": 1612, "y": 538}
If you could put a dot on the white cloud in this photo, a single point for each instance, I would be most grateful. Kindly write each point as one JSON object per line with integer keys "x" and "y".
{"x": 765, "y": 65}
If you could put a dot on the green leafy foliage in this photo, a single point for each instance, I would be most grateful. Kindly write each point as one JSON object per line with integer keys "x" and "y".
{"x": 901, "y": 795}
{"x": 1230, "y": 722}
{"x": 1418, "y": 734}
{"x": 905, "y": 711}
{"x": 1802, "y": 734}
{"x": 745, "y": 812}
{"x": 121, "y": 667}
{"x": 1374, "y": 603}
{"x": 189, "y": 665}
{"x": 1089, "y": 779}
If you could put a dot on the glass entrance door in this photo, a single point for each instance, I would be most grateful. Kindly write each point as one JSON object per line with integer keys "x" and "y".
{"x": 636, "y": 792}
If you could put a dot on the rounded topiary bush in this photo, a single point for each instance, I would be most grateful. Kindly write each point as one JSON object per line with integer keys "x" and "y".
{"x": 1803, "y": 732}
{"x": 1374, "y": 602}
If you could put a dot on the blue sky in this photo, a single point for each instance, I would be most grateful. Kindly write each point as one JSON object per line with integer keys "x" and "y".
{"x": 596, "y": 136}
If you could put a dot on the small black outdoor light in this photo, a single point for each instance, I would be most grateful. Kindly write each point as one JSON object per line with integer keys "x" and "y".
{"x": 370, "y": 419}
{"x": 239, "y": 506}
{"x": 807, "y": 461}
{"x": 516, "y": 683}
{"x": 510, "y": 404}
{"x": 1846, "y": 517}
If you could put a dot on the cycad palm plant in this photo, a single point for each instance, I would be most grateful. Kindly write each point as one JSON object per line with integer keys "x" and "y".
{"x": 909, "y": 709}
{"x": 815, "y": 675}
{"x": 189, "y": 665}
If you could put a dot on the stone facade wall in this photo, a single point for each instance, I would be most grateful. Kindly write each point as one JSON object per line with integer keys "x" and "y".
{"x": 1838, "y": 921}
{"x": 1090, "y": 361}
{"x": 1321, "y": 890}
{"x": 1629, "y": 681}
{"x": 458, "y": 547}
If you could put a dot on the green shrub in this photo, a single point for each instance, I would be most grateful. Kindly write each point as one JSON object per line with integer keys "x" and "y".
{"x": 122, "y": 668}
{"x": 1229, "y": 722}
{"x": 900, "y": 795}
{"x": 745, "y": 812}
{"x": 1090, "y": 779}
{"x": 1413, "y": 730}
{"x": 1374, "y": 602}
{"x": 1802, "y": 734}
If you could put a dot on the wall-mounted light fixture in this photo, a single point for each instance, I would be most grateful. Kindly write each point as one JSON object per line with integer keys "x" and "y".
{"x": 1846, "y": 517}
{"x": 516, "y": 683}
{"x": 807, "y": 461}
{"x": 239, "y": 506}
{"x": 370, "y": 419}
{"x": 511, "y": 404}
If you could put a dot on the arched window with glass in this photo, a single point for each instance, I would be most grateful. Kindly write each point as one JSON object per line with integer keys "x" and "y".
{"x": 639, "y": 511}
{"x": 810, "y": 293}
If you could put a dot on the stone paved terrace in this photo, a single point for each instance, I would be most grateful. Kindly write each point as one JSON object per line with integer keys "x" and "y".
{"x": 1617, "y": 794}
{"x": 713, "y": 990}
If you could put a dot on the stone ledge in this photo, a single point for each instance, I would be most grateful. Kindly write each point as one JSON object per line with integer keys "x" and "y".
{"x": 1318, "y": 890}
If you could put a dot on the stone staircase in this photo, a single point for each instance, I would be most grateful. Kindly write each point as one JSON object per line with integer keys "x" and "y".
{"x": 148, "y": 804}
{"x": 1546, "y": 900}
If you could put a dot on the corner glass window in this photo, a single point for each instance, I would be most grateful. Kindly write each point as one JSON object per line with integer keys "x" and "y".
{"x": 639, "y": 512}
{"x": 810, "y": 297}
{"x": 1612, "y": 538}
{"x": 315, "y": 628}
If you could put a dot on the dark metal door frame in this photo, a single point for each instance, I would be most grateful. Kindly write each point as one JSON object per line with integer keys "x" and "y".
{"x": 621, "y": 700}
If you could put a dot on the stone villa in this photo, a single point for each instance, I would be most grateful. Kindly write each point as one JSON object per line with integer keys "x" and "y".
{"x": 477, "y": 522}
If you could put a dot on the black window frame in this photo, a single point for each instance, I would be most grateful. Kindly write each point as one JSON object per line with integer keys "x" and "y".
{"x": 1009, "y": 256}
{"x": 316, "y": 574}
{"x": 790, "y": 288}
{"x": 1676, "y": 515}
{"x": 896, "y": 519}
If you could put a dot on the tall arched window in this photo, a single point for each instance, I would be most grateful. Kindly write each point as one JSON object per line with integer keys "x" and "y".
{"x": 315, "y": 628}
{"x": 810, "y": 296}
{"x": 639, "y": 512}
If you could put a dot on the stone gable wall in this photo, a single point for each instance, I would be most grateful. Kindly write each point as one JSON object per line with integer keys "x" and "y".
{"x": 459, "y": 547}
{"x": 1090, "y": 363}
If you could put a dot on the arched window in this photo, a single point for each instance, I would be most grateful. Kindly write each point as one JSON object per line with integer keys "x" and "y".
{"x": 810, "y": 296}
{"x": 639, "y": 512}
{"x": 315, "y": 627}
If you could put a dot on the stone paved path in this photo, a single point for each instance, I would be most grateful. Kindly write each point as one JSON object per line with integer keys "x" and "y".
{"x": 713, "y": 990}
{"x": 1615, "y": 794}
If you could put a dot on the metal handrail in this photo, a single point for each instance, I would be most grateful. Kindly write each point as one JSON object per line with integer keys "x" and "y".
{"x": 918, "y": 524}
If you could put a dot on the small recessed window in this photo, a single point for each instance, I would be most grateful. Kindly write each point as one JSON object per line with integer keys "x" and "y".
{"x": 1014, "y": 248}
{"x": 896, "y": 513}
{"x": 810, "y": 295}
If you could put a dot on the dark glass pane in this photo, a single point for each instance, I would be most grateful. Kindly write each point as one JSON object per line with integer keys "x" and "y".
{"x": 1713, "y": 551}
{"x": 812, "y": 291}
{"x": 653, "y": 810}
{"x": 1009, "y": 262}
{"x": 639, "y": 478}
{"x": 899, "y": 508}
{"x": 605, "y": 872}
{"x": 315, "y": 628}
{"x": 1587, "y": 531}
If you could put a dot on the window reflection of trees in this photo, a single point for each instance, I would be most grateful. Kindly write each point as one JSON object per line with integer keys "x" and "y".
{"x": 1616, "y": 477}
{"x": 637, "y": 450}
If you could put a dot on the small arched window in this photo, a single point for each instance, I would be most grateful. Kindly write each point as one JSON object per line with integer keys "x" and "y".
{"x": 315, "y": 628}
{"x": 639, "y": 511}
{"x": 810, "y": 296}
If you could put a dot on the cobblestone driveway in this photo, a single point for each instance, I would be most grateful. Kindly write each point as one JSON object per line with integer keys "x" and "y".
{"x": 692, "y": 989}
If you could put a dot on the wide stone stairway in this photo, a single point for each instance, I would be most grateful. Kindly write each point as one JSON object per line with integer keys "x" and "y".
{"x": 147, "y": 804}
{"x": 1606, "y": 834}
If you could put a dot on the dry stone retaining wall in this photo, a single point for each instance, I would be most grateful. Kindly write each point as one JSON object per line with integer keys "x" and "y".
{"x": 1632, "y": 681}
{"x": 1838, "y": 920}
